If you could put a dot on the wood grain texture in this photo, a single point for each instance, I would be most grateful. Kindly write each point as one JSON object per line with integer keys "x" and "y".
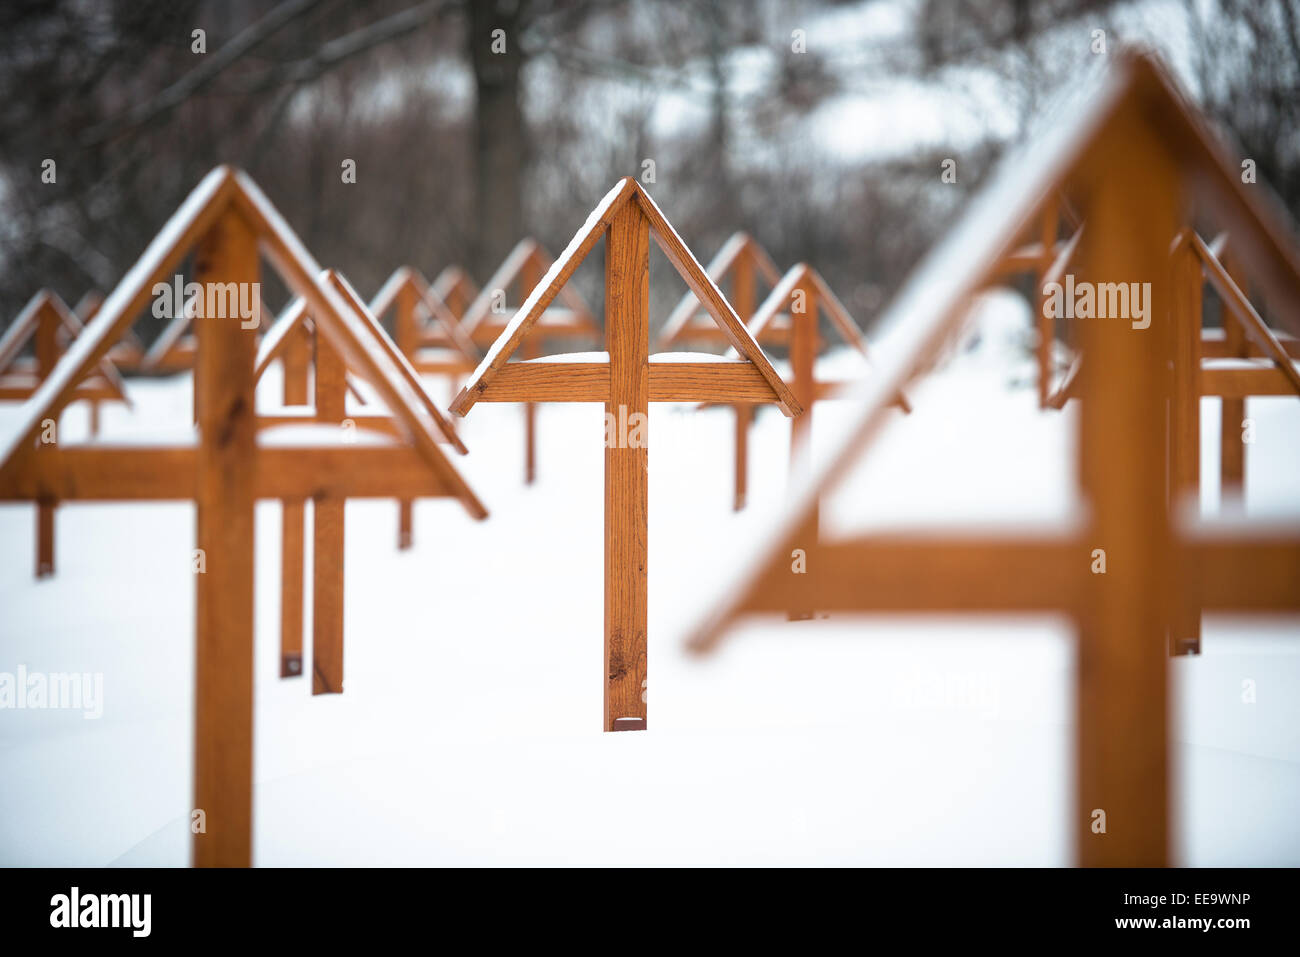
{"x": 327, "y": 538}
{"x": 627, "y": 338}
{"x": 223, "y": 661}
{"x": 1122, "y": 697}
{"x": 1185, "y": 421}
{"x": 295, "y": 360}
{"x": 1232, "y": 410}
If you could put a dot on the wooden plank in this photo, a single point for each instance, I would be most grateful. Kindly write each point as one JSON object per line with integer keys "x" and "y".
{"x": 804, "y": 346}
{"x": 708, "y": 381}
{"x": 347, "y": 333}
{"x": 627, "y": 338}
{"x": 1232, "y": 411}
{"x": 444, "y": 426}
{"x": 544, "y": 294}
{"x": 158, "y": 262}
{"x": 1185, "y": 423}
{"x": 1236, "y": 570}
{"x": 711, "y": 297}
{"x": 1121, "y": 697}
{"x": 1233, "y": 381}
{"x": 1049, "y": 225}
{"x": 292, "y": 527}
{"x": 295, "y": 363}
{"x": 744, "y": 298}
{"x": 327, "y": 538}
{"x": 1251, "y": 322}
{"x": 548, "y": 382}
{"x": 930, "y": 573}
{"x": 722, "y": 380}
{"x": 47, "y": 356}
{"x": 223, "y": 661}
{"x": 167, "y": 473}
{"x": 740, "y": 472}
{"x": 529, "y": 277}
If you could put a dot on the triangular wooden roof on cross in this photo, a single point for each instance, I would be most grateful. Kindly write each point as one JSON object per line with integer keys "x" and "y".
{"x": 523, "y": 265}
{"x": 221, "y": 190}
{"x": 672, "y": 376}
{"x": 455, "y": 288}
{"x": 229, "y": 225}
{"x": 407, "y": 290}
{"x": 295, "y": 318}
{"x": 1142, "y": 157}
{"x": 740, "y": 261}
{"x": 47, "y": 307}
{"x": 824, "y": 300}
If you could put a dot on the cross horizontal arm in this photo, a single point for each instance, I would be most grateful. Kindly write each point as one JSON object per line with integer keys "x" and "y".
{"x": 1228, "y": 570}
{"x": 108, "y": 473}
{"x": 705, "y": 381}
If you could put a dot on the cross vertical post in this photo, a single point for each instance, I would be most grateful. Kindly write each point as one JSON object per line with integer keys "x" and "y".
{"x": 1232, "y": 450}
{"x": 47, "y": 356}
{"x": 803, "y": 354}
{"x": 296, "y": 360}
{"x": 223, "y": 661}
{"x": 327, "y": 538}
{"x": 1185, "y": 419}
{"x": 1121, "y": 695}
{"x": 1046, "y": 325}
{"x": 627, "y": 338}
{"x": 407, "y": 337}
{"x": 742, "y": 298}
{"x": 530, "y": 276}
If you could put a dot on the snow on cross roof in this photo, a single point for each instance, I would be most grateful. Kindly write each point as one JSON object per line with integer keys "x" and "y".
{"x": 345, "y": 329}
{"x": 932, "y": 303}
{"x": 129, "y": 295}
{"x": 442, "y": 316}
{"x": 682, "y": 259}
{"x": 688, "y": 306}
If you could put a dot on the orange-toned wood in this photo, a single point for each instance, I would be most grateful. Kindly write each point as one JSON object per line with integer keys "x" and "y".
{"x": 223, "y": 662}
{"x": 1121, "y": 689}
{"x": 627, "y": 338}
{"x": 296, "y": 360}
{"x": 1232, "y": 411}
{"x": 1185, "y": 418}
{"x": 327, "y": 538}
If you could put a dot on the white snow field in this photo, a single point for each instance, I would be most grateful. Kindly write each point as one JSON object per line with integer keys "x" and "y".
{"x": 469, "y": 729}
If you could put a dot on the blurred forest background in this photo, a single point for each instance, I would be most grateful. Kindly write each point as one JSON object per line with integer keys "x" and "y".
{"x": 819, "y": 126}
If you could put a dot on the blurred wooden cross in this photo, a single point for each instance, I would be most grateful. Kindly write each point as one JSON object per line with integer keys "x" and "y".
{"x": 226, "y": 222}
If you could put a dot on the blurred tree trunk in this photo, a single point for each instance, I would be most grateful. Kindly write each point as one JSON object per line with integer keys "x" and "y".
{"x": 500, "y": 137}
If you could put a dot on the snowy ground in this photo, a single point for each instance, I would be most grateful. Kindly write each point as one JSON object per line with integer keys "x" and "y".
{"x": 468, "y": 733}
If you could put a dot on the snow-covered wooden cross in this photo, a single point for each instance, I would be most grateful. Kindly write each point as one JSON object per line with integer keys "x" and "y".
{"x": 626, "y": 379}
{"x": 1123, "y": 568}
{"x": 486, "y": 318}
{"x": 308, "y": 360}
{"x": 429, "y": 335}
{"x": 227, "y": 222}
{"x": 49, "y": 325}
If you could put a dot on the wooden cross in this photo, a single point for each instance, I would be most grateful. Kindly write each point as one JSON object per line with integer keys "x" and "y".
{"x": 409, "y": 297}
{"x": 626, "y": 380}
{"x": 48, "y": 324}
{"x": 1247, "y": 358}
{"x": 485, "y": 320}
{"x": 1138, "y": 160}
{"x": 227, "y": 222}
{"x": 457, "y": 291}
{"x": 746, "y": 270}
